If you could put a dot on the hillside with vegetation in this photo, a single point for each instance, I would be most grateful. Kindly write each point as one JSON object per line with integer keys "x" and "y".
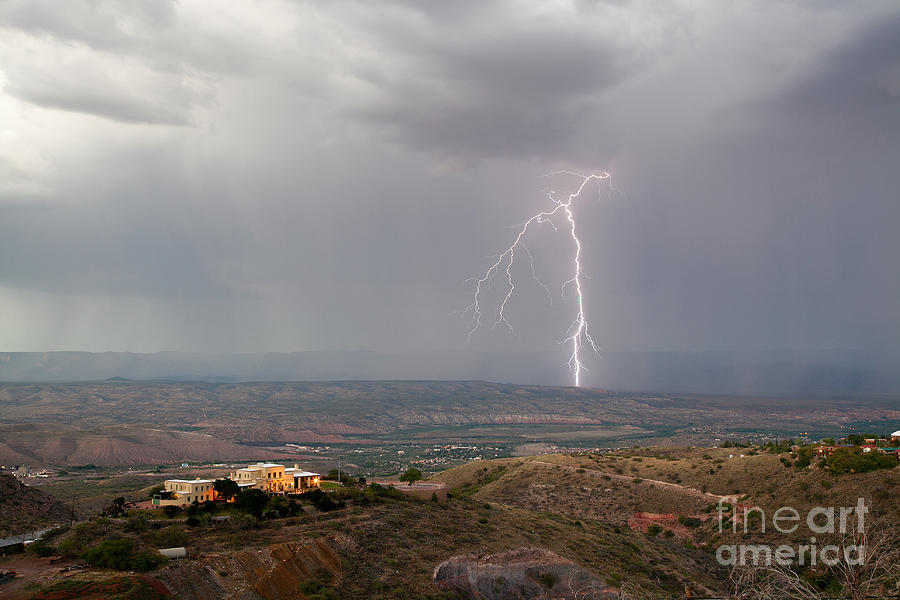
{"x": 613, "y": 486}
{"x": 24, "y": 508}
{"x": 369, "y": 543}
{"x": 639, "y": 522}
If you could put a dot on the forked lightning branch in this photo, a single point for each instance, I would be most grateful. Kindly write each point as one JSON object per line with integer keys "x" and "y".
{"x": 560, "y": 215}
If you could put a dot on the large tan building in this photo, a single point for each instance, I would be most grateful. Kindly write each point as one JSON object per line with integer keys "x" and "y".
{"x": 301, "y": 480}
{"x": 178, "y": 492}
{"x": 275, "y": 478}
{"x": 268, "y": 477}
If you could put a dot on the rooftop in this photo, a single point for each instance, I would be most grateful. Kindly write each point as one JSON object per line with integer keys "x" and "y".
{"x": 190, "y": 480}
{"x": 299, "y": 473}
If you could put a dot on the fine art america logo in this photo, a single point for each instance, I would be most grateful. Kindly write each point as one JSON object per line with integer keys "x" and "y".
{"x": 844, "y": 521}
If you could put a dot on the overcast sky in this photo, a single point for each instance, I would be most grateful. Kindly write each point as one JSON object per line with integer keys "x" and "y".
{"x": 279, "y": 176}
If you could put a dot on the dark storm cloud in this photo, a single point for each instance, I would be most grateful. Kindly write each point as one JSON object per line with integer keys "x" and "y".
{"x": 484, "y": 78}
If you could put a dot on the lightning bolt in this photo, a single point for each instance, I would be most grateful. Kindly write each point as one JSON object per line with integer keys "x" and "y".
{"x": 563, "y": 210}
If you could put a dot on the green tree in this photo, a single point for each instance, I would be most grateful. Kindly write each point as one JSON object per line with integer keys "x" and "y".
{"x": 847, "y": 460}
{"x": 804, "y": 457}
{"x": 116, "y": 508}
{"x": 156, "y": 489}
{"x": 226, "y": 489}
{"x": 411, "y": 475}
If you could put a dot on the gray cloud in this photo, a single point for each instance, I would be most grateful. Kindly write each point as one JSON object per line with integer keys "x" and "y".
{"x": 490, "y": 80}
{"x": 347, "y": 166}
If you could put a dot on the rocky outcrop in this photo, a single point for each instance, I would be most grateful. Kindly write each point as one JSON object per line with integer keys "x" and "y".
{"x": 523, "y": 573}
{"x": 273, "y": 573}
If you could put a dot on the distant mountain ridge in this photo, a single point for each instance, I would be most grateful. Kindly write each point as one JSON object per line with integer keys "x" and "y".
{"x": 752, "y": 372}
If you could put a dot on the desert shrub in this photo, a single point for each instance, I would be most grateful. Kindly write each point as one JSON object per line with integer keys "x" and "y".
{"x": 322, "y": 501}
{"x": 253, "y": 502}
{"x": 41, "y": 548}
{"x": 288, "y": 507}
{"x": 121, "y": 555}
{"x": 316, "y": 590}
{"x": 169, "y": 537}
{"x": 243, "y": 522}
{"x": 689, "y": 521}
{"x": 196, "y": 508}
{"x": 546, "y": 579}
{"x": 654, "y": 530}
{"x": 93, "y": 528}
{"x": 136, "y": 523}
{"x": 69, "y": 548}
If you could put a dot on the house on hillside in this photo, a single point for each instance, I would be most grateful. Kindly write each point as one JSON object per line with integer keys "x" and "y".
{"x": 274, "y": 478}
{"x": 271, "y": 478}
{"x": 180, "y": 492}
{"x": 895, "y": 437}
{"x": 824, "y": 451}
{"x": 301, "y": 480}
{"x": 268, "y": 477}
